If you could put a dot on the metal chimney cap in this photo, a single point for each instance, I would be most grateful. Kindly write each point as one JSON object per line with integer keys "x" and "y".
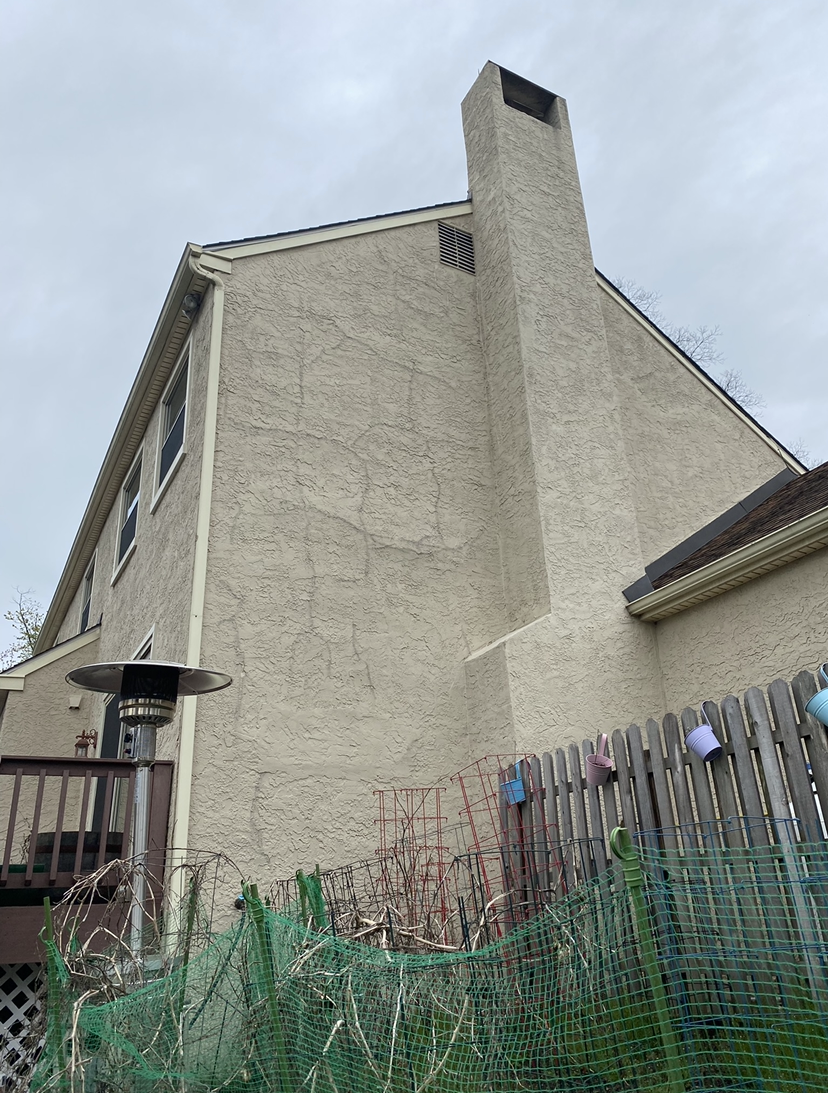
{"x": 108, "y": 678}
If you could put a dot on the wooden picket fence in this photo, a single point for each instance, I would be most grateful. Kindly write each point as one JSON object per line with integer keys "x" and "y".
{"x": 772, "y": 774}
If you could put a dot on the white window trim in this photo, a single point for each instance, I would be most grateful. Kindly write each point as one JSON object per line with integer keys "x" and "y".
{"x": 130, "y": 550}
{"x": 148, "y": 642}
{"x": 93, "y": 565}
{"x": 119, "y": 568}
{"x": 176, "y": 463}
{"x": 184, "y": 361}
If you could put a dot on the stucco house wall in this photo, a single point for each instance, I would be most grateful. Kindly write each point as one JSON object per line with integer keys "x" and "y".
{"x": 354, "y": 559}
{"x": 769, "y": 628}
{"x": 689, "y": 456}
{"x": 38, "y": 720}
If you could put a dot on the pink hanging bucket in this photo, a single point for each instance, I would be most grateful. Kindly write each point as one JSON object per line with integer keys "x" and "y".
{"x": 599, "y": 766}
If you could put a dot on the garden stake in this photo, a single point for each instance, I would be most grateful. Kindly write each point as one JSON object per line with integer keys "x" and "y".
{"x": 255, "y": 908}
{"x": 622, "y": 847}
{"x": 57, "y": 978}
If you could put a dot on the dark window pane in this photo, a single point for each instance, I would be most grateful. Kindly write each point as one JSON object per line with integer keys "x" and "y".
{"x": 175, "y": 403}
{"x": 85, "y": 617}
{"x": 172, "y": 445}
{"x": 128, "y": 532}
{"x": 132, "y": 489}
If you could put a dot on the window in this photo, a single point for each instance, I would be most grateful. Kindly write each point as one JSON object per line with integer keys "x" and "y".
{"x": 87, "y": 597}
{"x": 129, "y": 510}
{"x": 173, "y": 417}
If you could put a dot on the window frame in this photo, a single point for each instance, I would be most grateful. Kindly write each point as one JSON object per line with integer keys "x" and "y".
{"x": 86, "y": 602}
{"x": 184, "y": 362}
{"x": 137, "y": 465}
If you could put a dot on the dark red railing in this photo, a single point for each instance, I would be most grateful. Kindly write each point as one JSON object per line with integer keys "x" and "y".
{"x": 86, "y": 807}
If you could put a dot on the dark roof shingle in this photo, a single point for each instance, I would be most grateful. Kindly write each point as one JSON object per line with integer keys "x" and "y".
{"x": 795, "y": 500}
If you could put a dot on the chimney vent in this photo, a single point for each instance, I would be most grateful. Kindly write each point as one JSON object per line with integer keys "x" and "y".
{"x": 527, "y": 97}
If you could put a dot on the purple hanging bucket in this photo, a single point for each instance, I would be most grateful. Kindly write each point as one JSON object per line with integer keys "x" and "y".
{"x": 598, "y": 766}
{"x": 703, "y": 741}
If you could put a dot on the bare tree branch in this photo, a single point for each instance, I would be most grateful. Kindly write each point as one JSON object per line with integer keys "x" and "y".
{"x": 26, "y": 618}
{"x": 698, "y": 342}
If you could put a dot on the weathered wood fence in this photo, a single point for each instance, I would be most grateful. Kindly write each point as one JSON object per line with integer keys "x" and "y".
{"x": 772, "y": 775}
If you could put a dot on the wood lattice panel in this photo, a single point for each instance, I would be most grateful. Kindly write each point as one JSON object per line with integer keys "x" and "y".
{"x": 19, "y": 1004}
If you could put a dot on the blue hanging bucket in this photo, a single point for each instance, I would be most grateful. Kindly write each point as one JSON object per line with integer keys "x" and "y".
{"x": 513, "y": 791}
{"x": 818, "y": 705}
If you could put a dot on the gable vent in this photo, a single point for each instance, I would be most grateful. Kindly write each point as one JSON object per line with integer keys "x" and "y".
{"x": 456, "y": 248}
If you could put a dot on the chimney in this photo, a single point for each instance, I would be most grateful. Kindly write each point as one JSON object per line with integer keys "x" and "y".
{"x": 567, "y": 521}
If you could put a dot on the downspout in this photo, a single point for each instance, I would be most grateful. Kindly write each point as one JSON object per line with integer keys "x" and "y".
{"x": 183, "y": 796}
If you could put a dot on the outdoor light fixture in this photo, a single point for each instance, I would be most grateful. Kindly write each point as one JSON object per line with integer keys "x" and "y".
{"x": 190, "y": 304}
{"x": 148, "y": 692}
{"x": 84, "y": 742}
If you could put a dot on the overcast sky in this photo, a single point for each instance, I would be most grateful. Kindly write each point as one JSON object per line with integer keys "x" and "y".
{"x": 130, "y": 128}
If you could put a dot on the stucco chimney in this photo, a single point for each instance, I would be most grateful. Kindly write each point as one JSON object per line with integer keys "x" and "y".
{"x": 567, "y": 520}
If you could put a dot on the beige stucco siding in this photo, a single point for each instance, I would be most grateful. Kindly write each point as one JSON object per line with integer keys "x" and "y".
{"x": 354, "y": 557}
{"x": 770, "y": 628}
{"x": 690, "y": 457}
{"x": 38, "y": 719}
{"x": 153, "y": 589}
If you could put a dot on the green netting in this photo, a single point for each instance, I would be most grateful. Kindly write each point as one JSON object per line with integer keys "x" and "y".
{"x": 703, "y": 970}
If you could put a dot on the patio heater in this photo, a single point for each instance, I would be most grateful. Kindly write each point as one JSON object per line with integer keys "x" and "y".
{"x": 148, "y": 692}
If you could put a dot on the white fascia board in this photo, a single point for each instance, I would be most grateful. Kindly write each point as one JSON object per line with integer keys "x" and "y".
{"x": 695, "y": 370}
{"x": 345, "y": 231}
{"x": 770, "y": 552}
{"x": 129, "y": 431}
{"x": 15, "y": 678}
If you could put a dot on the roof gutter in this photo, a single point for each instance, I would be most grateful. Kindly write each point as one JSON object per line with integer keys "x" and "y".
{"x": 170, "y": 330}
{"x": 772, "y": 551}
{"x": 186, "y": 742}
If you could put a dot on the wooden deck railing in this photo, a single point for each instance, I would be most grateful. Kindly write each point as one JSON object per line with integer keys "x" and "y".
{"x": 64, "y": 818}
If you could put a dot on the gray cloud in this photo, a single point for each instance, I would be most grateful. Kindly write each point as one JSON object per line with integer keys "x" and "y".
{"x": 129, "y": 129}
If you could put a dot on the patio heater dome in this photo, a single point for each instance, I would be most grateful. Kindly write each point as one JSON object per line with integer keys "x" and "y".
{"x": 148, "y": 691}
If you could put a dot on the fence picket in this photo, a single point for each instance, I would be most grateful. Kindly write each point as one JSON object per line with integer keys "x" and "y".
{"x": 622, "y": 769}
{"x": 662, "y": 790}
{"x": 796, "y": 773}
{"x": 675, "y": 761}
{"x": 595, "y": 820}
{"x": 705, "y": 809}
{"x": 540, "y": 856}
{"x": 746, "y": 783}
{"x": 804, "y": 687}
{"x": 567, "y": 855}
{"x": 610, "y": 808}
{"x": 723, "y": 779}
{"x": 584, "y": 857}
{"x": 646, "y": 815}
{"x": 550, "y": 804}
